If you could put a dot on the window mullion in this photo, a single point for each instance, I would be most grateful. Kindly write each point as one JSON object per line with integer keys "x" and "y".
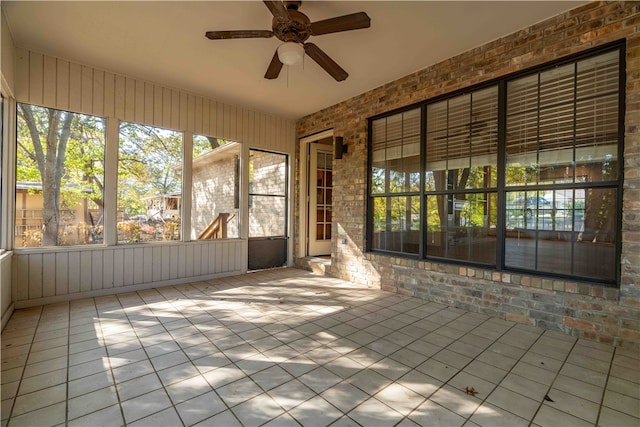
{"x": 111, "y": 180}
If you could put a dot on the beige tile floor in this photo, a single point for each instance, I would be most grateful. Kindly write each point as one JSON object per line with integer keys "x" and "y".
{"x": 287, "y": 348}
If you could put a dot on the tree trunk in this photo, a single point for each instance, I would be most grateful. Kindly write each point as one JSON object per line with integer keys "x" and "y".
{"x": 51, "y": 166}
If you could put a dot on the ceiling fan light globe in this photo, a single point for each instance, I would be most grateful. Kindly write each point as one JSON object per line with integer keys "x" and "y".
{"x": 290, "y": 53}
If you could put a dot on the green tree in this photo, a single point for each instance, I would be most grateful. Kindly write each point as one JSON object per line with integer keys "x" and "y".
{"x": 64, "y": 152}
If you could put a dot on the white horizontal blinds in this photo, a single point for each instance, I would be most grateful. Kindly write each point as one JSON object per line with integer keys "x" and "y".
{"x": 396, "y": 153}
{"x": 597, "y": 89}
{"x": 462, "y": 131}
{"x": 410, "y": 164}
{"x": 378, "y": 155}
{"x": 563, "y": 116}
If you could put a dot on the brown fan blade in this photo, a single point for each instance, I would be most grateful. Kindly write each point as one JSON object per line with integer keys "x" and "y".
{"x": 274, "y": 68}
{"x": 323, "y": 60}
{"x": 278, "y": 10}
{"x": 355, "y": 21}
{"x": 239, "y": 34}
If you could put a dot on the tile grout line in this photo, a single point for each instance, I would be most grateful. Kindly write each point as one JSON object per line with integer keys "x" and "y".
{"x": 467, "y": 419}
{"x": 66, "y": 403}
{"x": 540, "y": 405}
{"x": 106, "y": 348}
{"x": 166, "y": 300}
{"x": 24, "y": 367}
{"x": 606, "y": 383}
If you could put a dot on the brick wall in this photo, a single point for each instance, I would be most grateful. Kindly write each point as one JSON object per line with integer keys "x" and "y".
{"x": 268, "y": 177}
{"x": 583, "y": 309}
{"x": 214, "y": 193}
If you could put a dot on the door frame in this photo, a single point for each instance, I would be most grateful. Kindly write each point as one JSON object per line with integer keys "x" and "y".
{"x": 303, "y": 197}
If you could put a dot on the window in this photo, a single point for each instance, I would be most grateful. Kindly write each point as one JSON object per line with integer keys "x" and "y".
{"x": 562, "y": 169}
{"x": 528, "y": 184}
{"x": 395, "y": 182}
{"x": 149, "y": 184}
{"x": 59, "y": 177}
{"x": 215, "y": 188}
{"x": 461, "y": 177}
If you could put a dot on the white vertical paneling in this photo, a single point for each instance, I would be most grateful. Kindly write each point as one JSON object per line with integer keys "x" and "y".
{"x": 247, "y": 126}
{"x": 139, "y": 103}
{"x": 128, "y": 276}
{"x": 157, "y": 106}
{"x": 75, "y": 87}
{"x": 189, "y": 261}
{"x": 197, "y": 127}
{"x": 261, "y": 123}
{"x": 182, "y": 253}
{"x": 120, "y": 96}
{"x": 48, "y": 274}
{"x": 62, "y": 84}
{"x": 35, "y": 78}
{"x": 107, "y": 268}
{"x": 35, "y": 276}
{"x": 175, "y": 109}
{"x": 85, "y": 271}
{"x": 206, "y": 130}
{"x": 197, "y": 260}
{"x": 191, "y": 113}
{"x": 147, "y": 264}
{"x": 49, "y": 81}
{"x": 21, "y": 276}
{"x": 22, "y": 75}
{"x": 165, "y": 263}
{"x": 233, "y": 122}
{"x": 220, "y": 133}
{"x": 118, "y": 267}
{"x": 213, "y": 119}
{"x": 129, "y": 99}
{"x": 184, "y": 118}
{"x": 157, "y": 264}
{"x": 204, "y": 258}
{"x": 166, "y": 107}
{"x": 148, "y": 103}
{"x": 86, "y": 104}
{"x": 74, "y": 272}
{"x": 98, "y": 93}
{"x": 217, "y": 257}
{"x": 226, "y": 117}
{"x": 174, "y": 257}
{"x": 62, "y": 273}
{"x": 109, "y": 95}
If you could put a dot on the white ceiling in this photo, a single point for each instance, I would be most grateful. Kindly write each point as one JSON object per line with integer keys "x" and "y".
{"x": 164, "y": 42}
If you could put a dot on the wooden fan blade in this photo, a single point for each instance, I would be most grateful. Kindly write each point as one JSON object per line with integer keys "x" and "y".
{"x": 238, "y": 34}
{"x": 323, "y": 60}
{"x": 274, "y": 68}
{"x": 355, "y": 21}
{"x": 278, "y": 10}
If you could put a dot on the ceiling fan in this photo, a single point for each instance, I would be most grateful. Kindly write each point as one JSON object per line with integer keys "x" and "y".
{"x": 293, "y": 28}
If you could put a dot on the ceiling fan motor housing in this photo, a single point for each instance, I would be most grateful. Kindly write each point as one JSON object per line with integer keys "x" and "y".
{"x": 294, "y": 30}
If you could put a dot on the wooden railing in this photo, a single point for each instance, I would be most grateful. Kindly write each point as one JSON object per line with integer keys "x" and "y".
{"x": 217, "y": 229}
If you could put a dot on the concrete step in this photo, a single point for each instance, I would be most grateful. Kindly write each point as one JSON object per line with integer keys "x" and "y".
{"x": 317, "y": 265}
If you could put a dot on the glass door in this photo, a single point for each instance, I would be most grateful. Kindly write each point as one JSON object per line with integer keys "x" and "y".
{"x": 320, "y": 195}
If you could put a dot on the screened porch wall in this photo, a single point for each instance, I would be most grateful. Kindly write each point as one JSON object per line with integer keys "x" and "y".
{"x": 57, "y": 83}
{"x": 55, "y": 274}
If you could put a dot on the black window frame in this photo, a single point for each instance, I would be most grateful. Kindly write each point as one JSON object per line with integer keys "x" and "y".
{"x": 502, "y": 188}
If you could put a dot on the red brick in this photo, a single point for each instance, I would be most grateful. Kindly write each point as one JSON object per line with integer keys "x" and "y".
{"x": 582, "y": 325}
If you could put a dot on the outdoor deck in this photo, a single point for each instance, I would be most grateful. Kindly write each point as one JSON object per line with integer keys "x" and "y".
{"x": 285, "y": 347}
